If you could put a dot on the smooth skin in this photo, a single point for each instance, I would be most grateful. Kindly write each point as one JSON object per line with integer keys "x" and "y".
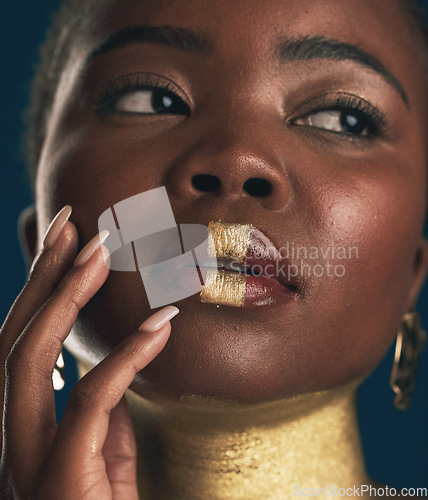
{"x": 248, "y": 116}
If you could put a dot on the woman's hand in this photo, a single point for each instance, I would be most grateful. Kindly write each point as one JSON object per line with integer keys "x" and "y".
{"x": 92, "y": 453}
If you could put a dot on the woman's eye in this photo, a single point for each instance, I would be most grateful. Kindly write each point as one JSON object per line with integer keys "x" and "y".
{"x": 346, "y": 122}
{"x": 151, "y": 101}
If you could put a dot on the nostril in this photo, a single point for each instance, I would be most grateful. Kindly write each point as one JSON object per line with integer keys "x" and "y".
{"x": 258, "y": 187}
{"x": 205, "y": 182}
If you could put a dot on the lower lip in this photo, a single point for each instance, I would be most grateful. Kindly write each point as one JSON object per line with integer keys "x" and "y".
{"x": 264, "y": 291}
{"x": 260, "y": 291}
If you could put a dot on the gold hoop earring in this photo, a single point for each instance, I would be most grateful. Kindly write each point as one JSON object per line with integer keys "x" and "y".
{"x": 409, "y": 344}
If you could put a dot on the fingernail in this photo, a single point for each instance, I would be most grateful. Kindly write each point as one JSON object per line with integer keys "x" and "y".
{"x": 88, "y": 250}
{"x": 55, "y": 227}
{"x": 159, "y": 318}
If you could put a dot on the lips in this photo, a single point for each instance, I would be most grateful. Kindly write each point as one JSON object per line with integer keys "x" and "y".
{"x": 250, "y": 270}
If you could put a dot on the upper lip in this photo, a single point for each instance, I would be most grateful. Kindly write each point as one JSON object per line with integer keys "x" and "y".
{"x": 262, "y": 258}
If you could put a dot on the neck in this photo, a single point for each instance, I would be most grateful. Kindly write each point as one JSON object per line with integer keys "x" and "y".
{"x": 271, "y": 450}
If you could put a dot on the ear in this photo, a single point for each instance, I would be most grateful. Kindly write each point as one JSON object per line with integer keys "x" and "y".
{"x": 421, "y": 267}
{"x": 27, "y": 234}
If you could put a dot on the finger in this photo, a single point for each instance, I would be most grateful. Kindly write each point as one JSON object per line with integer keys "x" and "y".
{"x": 50, "y": 266}
{"x": 29, "y": 422}
{"x": 120, "y": 453}
{"x": 84, "y": 426}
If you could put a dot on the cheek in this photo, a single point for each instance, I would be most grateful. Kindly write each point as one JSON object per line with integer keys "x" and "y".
{"x": 92, "y": 172}
{"x": 379, "y": 219}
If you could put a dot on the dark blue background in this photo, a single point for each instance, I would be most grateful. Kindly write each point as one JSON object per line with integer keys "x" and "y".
{"x": 396, "y": 443}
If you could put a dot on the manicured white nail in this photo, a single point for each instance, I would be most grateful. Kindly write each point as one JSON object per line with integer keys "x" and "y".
{"x": 56, "y": 226}
{"x": 90, "y": 248}
{"x": 159, "y": 318}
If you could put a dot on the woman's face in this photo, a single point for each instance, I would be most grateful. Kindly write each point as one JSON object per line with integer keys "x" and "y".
{"x": 280, "y": 91}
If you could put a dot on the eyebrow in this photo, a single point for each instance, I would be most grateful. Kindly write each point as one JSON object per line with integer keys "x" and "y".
{"x": 319, "y": 47}
{"x": 287, "y": 50}
{"x": 170, "y": 36}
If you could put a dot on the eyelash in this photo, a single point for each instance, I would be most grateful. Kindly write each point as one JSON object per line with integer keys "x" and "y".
{"x": 375, "y": 119}
{"x": 113, "y": 91}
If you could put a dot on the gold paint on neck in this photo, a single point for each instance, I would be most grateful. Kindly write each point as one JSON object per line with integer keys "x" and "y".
{"x": 224, "y": 288}
{"x": 268, "y": 450}
{"x": 228, "y": 240}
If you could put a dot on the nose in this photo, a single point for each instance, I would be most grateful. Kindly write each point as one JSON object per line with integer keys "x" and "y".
{"x": 234, "y": 166}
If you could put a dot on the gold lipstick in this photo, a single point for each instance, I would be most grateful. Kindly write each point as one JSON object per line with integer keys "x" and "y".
{"x": 224, "y": 288}
{"x": 226, "y": 241}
